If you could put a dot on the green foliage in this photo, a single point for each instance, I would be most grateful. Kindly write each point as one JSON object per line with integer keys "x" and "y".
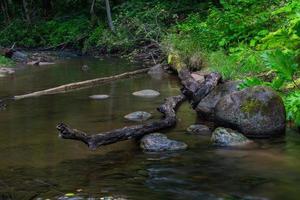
{"x": 250, "y": 82}
{"x": 292, "y": 105}
{"x": 283, "y": 64}
{"x": 5, "y": 62}
{"x": 48, "y": 33}
{"x": 287, "y": 35}
{"x": 55, "y": 32}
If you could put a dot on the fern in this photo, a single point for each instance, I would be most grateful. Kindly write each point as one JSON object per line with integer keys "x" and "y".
{"x": 283, "y": 64}
{"x": 292, "y": 105}
{"x": 250, "y": 82}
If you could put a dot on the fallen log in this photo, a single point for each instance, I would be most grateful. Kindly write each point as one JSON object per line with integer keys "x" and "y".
{"x": 137, "y": 131}
{"x": 80, "y": 85}
{"x": 194, "y": 90}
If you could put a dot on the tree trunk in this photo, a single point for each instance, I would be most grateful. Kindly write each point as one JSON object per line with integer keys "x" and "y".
{"x": 26, "y": 11}
{"x": 47, "y": 7}
{"x": 4, "y": 8}
{"x": 92, "y": 13}
{"x": 109, "y": 18}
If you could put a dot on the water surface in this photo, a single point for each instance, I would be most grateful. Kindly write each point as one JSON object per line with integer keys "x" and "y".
{"x": 35, "y": 163}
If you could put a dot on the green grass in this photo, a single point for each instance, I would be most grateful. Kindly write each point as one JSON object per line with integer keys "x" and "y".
{"x": 5, "y": 62}
{"x": 233, "y": 66}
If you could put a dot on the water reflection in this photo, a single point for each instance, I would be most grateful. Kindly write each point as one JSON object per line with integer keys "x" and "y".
{"x": 35, "y": 163}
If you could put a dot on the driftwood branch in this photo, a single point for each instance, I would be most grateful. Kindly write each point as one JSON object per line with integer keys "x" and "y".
{"x": 94, "y": 141}
{"x": 80, "y": 85}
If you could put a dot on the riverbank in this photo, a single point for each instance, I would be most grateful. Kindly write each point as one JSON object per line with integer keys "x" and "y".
{"x": 206, "y": 36}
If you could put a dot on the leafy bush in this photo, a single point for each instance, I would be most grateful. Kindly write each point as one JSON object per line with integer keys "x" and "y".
{"x": 292, "y": 105}
{"x": 55, "y": 32}
{"x": 5, "y": 62}
{"x": 48, "y": 33}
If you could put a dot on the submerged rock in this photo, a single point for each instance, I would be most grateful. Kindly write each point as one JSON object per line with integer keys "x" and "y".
{"x": 206, "y": 106}
{"x": 256, "y": 112}
{"x": 157, "y": 69}
{"x": 99, "y": 96}
{"x": 227, "y": 137}
{"x": 157, "y": 142}
{"x": 85, "y": 68}
{"x": 2, "y": 105}
{"x": 138, "y": 116}
{"x": 198, "y": 129}
{"x": 146, "y": 93}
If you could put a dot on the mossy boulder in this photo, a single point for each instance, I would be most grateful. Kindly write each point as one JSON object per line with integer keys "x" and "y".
{"x": 256, "y": 112}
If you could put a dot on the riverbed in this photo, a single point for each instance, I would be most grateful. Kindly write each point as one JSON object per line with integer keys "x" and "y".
{"x": 36, "y": 164}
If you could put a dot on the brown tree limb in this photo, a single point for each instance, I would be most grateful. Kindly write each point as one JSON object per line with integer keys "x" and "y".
{"x": 97, "y": 140}
{"x": 80, "y": 85}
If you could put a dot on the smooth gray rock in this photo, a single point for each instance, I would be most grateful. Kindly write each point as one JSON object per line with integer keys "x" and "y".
{"x": 138, "y": 116}
{"x": 146, "y": 93}
{"x": 206, "y": 105}
{"x": 20, "y": 56}
{"x": 256, "y": 112}
{"x": 157, "y": 142}
{"x": 199, "y": 129}
{"x": 227, "y": 137}
{"x": 99, "y": 96}
{"x": 4, "y": 71}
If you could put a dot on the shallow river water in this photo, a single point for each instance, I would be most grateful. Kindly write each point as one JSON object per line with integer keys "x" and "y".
{"x": 36, "y": 164}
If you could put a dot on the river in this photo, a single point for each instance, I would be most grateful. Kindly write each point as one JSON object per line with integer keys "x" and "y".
{"x": 36, "y": 164}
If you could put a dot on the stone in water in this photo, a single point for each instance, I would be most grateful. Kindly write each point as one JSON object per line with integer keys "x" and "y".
{"x": 99, "y": 96}
{"x": 146, "y": 93}
{"x": 157, "y": 142}
{"x": 138, "y": 116}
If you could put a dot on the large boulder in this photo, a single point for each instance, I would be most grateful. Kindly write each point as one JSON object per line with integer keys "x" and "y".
{"x": 206, "y": 105}
{"x": 256, "y": 112}
{"x": 20, "y": 56}
{"x": 226, "y": 137}
{"x": 157, "y": 142}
